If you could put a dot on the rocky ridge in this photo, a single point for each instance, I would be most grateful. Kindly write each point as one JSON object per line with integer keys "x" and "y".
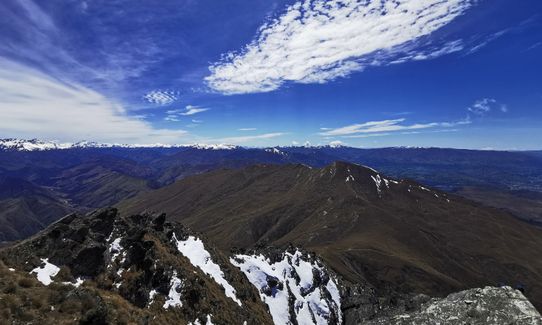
{"x": 104, "y": 268}
{"x": 136, "y": 261}
{"x": 395, "y": 234}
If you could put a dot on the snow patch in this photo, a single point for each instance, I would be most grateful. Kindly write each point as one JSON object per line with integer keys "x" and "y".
{"x": 378, "y": 183}
{"x": 207, "y": 322}
{"x": 292, "y": 278}
{"x": 115, "y": 248}
{"x": 78, "y": 282}
{"x": 275, "y": 151}
{"x": 174, "y": 296}
{"x": 195, "y": 251}
{"x": 46, "y": 271}
{"x": 152, "y": 294}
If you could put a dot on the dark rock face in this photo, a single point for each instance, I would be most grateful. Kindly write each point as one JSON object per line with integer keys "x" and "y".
{"x": 136, "y": 259}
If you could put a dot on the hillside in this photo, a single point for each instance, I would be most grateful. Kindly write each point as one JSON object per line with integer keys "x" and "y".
{"x": 90, "y": 175}
{"x": 26, "y": 208}
{"x": 105, "y": 268}
{"x": 394, "y": 234}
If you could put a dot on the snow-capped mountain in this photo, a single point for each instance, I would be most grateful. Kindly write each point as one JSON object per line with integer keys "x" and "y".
{"x": 39, "y": 145}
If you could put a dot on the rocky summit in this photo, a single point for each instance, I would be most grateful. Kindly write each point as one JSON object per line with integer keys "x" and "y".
{"x": 106, "y": 268}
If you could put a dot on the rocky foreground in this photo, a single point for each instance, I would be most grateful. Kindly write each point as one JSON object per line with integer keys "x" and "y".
{"x": 104, "y": 268}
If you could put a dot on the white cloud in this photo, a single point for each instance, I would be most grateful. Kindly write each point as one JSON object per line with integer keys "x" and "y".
{"x": 171, "y": 118}
{"x": 106, "y": 60}
{"x": 245, "y": 139}
{"x": 485, "y": 105}
{"x": 379, "y": 127}
{"x": 34, "y": 105}
{"x": 191, "y": 110}
{"x": 247, "y": 129}
{"x": 315, "y": 41}
{"x": 174, "y": 115}
{"x": 161, "y": 97}
{"x": 369, "y": 135}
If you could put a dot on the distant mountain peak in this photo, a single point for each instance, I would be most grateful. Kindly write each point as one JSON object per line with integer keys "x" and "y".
{"x": 40, "y": 145}
{"x": 359, "y": 174}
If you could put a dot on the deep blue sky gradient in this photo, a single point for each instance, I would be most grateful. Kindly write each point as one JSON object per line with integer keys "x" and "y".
{"x": 140, "y": 46}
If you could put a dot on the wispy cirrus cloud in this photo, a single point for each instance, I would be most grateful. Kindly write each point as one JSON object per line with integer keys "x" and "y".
{"x": 85, "y": 44}
{"x": 247, "y": 129}
{"x": 175, "y": 115}
{"x": 191, "y": 110}
{"x": 315, "y": 41}
{"x": 385, "y": 127}
{"x": 35, "y": 105}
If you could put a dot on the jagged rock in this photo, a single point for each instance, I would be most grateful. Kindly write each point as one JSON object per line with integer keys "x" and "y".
{"x": 134, "y": 263}
{"x": 104, "y": 268}
{"x": 295, "y": 285}
{"x": 490, "y": 305}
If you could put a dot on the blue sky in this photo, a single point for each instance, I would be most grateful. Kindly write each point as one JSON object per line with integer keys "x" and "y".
{"x": 455, "y": 73}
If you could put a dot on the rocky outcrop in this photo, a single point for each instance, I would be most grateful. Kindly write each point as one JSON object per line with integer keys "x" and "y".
{"x": 104, "y": 268}
{"x": 490, "y": 305}
{"x": 143, "y": 261}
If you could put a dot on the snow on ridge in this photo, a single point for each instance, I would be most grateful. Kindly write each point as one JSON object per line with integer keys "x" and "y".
{"x": 195, "y": 251}
{"x": 378, "y": 182}
{"x": 276, "y": 151}
{"x": 292, "y": 276}
{"x": 207, "y": 322}
{"x": 39, "y": 145}
{"x": 174, "y": 296}
{"x": 115, "y": 248}
{"x": 45, "y": 273}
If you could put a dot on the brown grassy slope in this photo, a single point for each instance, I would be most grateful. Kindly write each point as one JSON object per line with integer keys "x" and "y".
{"x": 526, "y": 205}
{"x": 119, "y": 288}
{"x": 406, "y": 238}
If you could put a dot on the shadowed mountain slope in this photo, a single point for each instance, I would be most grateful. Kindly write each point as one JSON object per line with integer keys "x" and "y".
{"x": 90, "y": 176}
{"x": 394, "y": 234}
{"x": 26, "y": 208}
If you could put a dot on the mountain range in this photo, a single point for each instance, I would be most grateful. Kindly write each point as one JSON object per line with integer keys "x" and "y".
{"x": 290, "y": 235}
{"x": 106, "y": 268}
{"x": 85, "y": 176}
{"x": 395, "y": 234}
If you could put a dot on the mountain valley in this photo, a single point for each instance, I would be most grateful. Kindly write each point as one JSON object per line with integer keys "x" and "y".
{"x": 292, "y": 235}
